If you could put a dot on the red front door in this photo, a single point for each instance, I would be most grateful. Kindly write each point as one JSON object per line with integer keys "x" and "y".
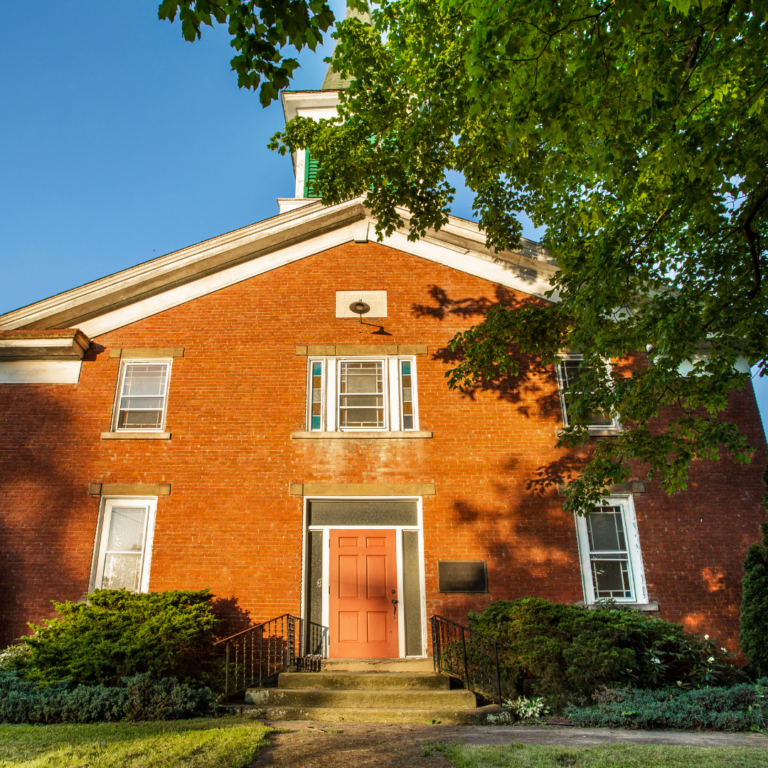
{"x": 363, "y": 575}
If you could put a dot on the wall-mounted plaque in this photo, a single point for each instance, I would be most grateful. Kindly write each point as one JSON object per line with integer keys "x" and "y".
{"x": 462, "y": 576}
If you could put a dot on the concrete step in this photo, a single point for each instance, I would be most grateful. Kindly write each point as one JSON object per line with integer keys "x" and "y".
{"x": 377, "y": 665}
{"x": 379, "y": 699}
{"x": 490, "y": 715}
{"x": 364, "y": 680}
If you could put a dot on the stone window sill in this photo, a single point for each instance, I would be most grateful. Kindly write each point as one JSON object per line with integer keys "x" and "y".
{"x": 652, "y": 607}
{"x": 359, "y": 435}
{"x": 595, "y": 431}
{"x": 135, "y": 435}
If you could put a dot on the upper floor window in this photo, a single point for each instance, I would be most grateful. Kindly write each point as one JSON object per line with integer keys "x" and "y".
{"x": 611, "y": 563}
{"x": 349, "y": 394}
{"x": 124, "y": 544}
{"x": 569, "y": 377}
{"x": 142, "y": 396}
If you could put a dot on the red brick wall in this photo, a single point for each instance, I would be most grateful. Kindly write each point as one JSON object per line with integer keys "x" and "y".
{"x": 238, "y": 393}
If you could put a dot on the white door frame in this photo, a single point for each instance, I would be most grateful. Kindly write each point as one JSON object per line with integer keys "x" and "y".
{"x": 326, "y": 529}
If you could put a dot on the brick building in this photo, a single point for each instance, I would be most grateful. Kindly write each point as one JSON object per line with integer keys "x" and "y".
{"x": 226, "y": 417}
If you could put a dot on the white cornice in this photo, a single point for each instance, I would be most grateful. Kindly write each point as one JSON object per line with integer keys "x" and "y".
{"x": 176, "y": 278}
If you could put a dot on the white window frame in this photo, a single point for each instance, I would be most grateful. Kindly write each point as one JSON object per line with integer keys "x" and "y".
{"x": 118, "y": 395}
{"x": 392, "y": 391}
{"x": 636, "y": 569}
{"x": 102, "y": 537}
{"x": 614, "y": 426}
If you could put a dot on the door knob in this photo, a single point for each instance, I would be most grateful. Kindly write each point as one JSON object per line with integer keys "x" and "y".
{"x": 394, "y": 607}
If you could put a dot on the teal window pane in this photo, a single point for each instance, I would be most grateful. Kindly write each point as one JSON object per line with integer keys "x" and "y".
{"x": 317, "y": 369}
{"x": 406, "y": 367}
{"x": 315, "y": 422}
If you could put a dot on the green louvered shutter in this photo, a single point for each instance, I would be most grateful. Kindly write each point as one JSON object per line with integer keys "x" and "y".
{"x": 311, "y": 167}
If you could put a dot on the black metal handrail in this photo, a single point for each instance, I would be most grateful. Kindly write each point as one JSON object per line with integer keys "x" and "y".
{"x": 259, "y": 653}
{"x": 472, "y": 657}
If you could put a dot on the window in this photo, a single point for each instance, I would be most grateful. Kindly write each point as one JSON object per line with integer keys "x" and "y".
{"x": 362, "y": 394}
{"x": 569, "y": 371}
{"x": 142, "y": 396}
{"x": 610, "y": 554}
{"x": 124, "y": 544}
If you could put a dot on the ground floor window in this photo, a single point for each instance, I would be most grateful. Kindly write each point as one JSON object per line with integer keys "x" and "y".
{"x": 609, "y": 546}
{"x": 124, "y": 544}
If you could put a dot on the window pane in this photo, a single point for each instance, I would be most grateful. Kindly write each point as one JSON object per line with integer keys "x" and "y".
{"x": 356, "y": 401}
{"x": 606, "y": 530}
{"x": 316, "y": 405}
{"x": 141, "y": 403}
{"x": 140, "y": 420}
{"x": 126, "y": 529}
{"x": 570, "y": 375}
{"x": 361, "y": 377}
{"x": 145, "y": 380}
{"x": 121, "y": 572}
{"x": 407, "y": 422}
{"x": 611, "y": 577}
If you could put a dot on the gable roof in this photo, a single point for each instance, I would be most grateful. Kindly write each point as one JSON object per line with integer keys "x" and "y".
{"x": 154, "y": 286}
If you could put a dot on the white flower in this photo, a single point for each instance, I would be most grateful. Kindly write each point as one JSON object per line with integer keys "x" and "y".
{"x": 724, "y": 650}
{"x": 655, "y": 660}
{"x": 706, "y": 637}
{"x": 711, "y": 659}
{"x": 679, "y": 682}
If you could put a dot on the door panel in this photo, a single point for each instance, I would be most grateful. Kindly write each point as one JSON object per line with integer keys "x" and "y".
{"x": 363, "y": 583}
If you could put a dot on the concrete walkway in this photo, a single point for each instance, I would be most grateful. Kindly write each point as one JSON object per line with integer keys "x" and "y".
{"x": 372, "y": 745}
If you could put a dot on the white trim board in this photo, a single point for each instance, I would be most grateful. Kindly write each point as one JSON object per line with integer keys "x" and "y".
{"x": 40, "y": 371}
{"x": 501, "y": 272}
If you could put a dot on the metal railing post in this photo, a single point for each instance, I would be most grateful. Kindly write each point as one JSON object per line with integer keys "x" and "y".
{"x": 226, "y": 675}
{"x": 464, "y": 651}
{"x": 261, "y": 655}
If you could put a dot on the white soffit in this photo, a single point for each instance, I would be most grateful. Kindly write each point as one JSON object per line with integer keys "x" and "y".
{"x": 40, "y": 371}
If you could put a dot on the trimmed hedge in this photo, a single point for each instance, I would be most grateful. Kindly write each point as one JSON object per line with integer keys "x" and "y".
{"x": 570, "y": 651}
{"x": 140, "y": 698}
{"x": 117, "y": 634}
{"x": 739, "y": 708}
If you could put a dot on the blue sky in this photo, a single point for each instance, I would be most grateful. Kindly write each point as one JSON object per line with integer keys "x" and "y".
{"x": 120, "y": 142}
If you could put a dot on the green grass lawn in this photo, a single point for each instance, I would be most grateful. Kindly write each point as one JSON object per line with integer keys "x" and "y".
{"x": 617, "y": 756}
{"x": 230, "y": 742}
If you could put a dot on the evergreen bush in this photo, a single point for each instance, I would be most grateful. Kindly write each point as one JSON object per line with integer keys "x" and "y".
{"x": 117, "y": 634}
{"x": 739, "y": 708}
{"x": 754, "y": 599}
{"x": 140, "y": 697}
{"x": 571, "y": 650}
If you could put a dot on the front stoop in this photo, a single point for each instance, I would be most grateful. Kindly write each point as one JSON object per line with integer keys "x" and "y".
{"x": 370, "y": 691}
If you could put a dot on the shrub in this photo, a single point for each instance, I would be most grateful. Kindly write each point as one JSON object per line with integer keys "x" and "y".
{"x": 139, "y": 698}
{"x": 570, "y": 650}
{"x": 754, "y": 600}
{"x": 740, "y": 708}
{"x": 118, "y": 634}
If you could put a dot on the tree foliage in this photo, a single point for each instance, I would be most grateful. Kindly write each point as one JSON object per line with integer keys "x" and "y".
{"x": 635, "y": 132}
{"x": 117, "y": 633}
{"x": 260, "y": 29}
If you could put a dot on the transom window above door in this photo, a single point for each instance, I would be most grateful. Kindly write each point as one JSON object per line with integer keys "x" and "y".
{"x": 362, "y": 394}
